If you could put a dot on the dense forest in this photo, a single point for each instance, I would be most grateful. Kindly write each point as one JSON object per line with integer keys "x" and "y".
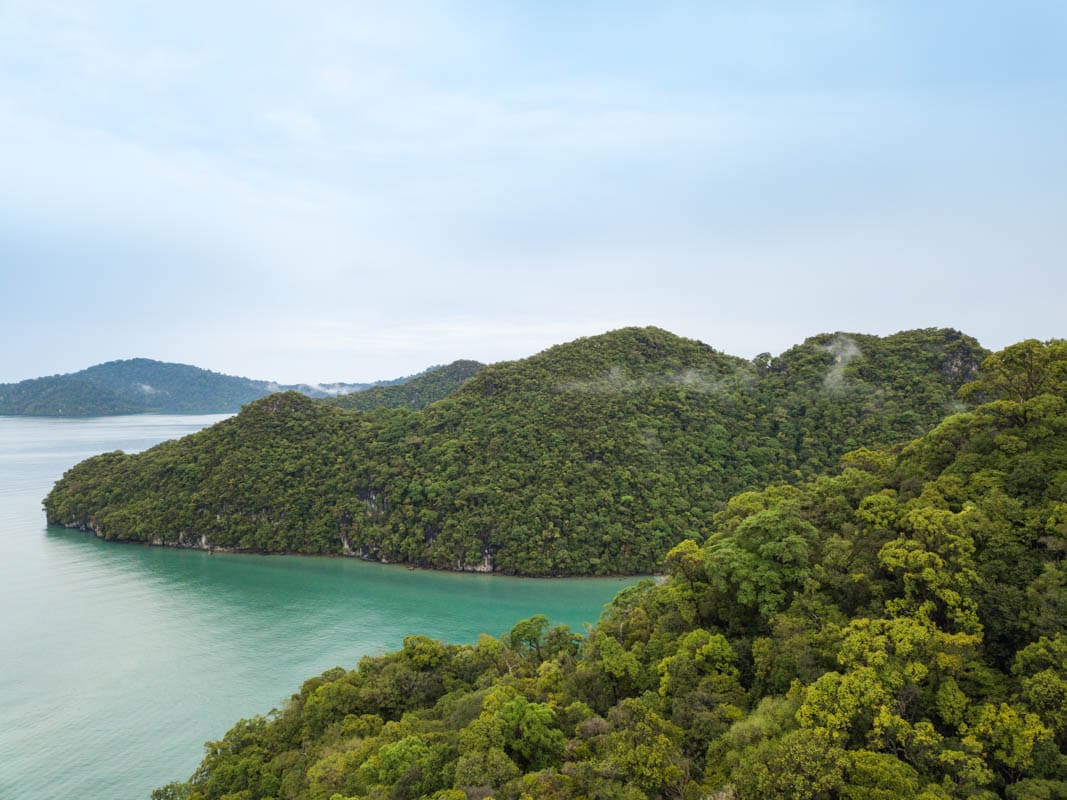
{"x": 140, "y": 385}
{"x": 416, "y": 392}
{"x": 894, "y": 630}
{"x": 63, "y": 396}
{"x": 593, "y": 457}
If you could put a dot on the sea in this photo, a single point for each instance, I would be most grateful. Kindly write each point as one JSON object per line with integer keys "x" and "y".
{"x": 119, "y": 661}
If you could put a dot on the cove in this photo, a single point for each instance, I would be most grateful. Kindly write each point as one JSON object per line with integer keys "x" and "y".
{"x": 120, "y": 660}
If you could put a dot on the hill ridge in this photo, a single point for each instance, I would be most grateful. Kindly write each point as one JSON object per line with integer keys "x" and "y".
{"x": 514, "y": 473}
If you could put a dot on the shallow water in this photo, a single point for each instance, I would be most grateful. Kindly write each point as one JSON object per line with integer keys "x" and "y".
{"x": 117, "y": 661}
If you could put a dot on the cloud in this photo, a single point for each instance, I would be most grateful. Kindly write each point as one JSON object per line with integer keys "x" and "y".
{"x": 301, "y": 126}
{"x": 698, "y": 381}
{"x": 266, "y": 222}
{"x": 844, "y": 350}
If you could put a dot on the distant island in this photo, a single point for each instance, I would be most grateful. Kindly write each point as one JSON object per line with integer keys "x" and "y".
{"x": 142, "y": 385}
{"x": 593, "y": 457}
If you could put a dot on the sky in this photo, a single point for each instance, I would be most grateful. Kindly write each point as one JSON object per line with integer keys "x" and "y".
{"x": 317, "y": 191}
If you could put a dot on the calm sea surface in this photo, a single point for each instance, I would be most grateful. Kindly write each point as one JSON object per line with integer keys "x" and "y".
{"x": 117, "y": 662}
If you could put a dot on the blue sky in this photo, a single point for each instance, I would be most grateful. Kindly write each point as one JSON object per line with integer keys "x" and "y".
{"x": 346, "y": 191}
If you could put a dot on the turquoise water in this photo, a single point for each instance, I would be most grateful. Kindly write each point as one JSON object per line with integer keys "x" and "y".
{"x": 118, "y": 661}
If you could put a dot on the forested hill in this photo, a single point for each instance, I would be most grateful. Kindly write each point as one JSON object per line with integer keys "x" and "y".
{"x": 173, "y": 388}
{"x": 894, "y": 631}
{"x": 414, "y": 393}
{"x": 592, "y": 457}
{"x": 139, "y": 385}
{"x": 63, "y": 396}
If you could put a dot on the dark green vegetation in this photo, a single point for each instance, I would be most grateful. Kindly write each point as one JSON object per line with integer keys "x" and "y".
{"x": 140, "y": 385}
{"x": 593, "y": 457}
{"x": 62, "y": 396}
{"x": 130, "y": 387}
{"x": 894, "y": 631}
{"x": 416, "y": 392}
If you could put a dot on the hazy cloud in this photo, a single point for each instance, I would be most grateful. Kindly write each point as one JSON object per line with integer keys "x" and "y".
{"x": 357, "y": 191}
{"x": 844, "y": 350}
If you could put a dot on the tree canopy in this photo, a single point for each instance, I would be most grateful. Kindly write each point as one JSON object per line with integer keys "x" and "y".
{"x": 894, "y": 629}
{"x": 593, "y": 457}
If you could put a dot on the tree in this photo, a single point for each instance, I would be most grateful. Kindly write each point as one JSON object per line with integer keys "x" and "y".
{"x": 530, "y": 737}
{"x": 1020, "y": 372}
{"x": 527, "y": 633}
{"x": 801, "y": 765}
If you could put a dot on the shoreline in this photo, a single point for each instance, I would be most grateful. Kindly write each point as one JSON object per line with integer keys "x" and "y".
{"x": 659, "y": 577}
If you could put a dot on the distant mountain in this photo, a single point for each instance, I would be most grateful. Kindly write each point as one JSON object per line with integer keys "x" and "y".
{"x": 62, "y": 396}
{"x": 140, "y": 385}
{"x": 416, "y": 392}
{"x": 592, "y": 457}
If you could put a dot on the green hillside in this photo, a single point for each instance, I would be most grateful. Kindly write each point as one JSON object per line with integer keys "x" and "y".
{"x": 174, "y": 388}
{"x": 894, "y": 631}
{"x": 414, "y": 393}
{"x": 62, "y": 396}
{"x": 132, "y": 386}
{"x": 593, "y": 457}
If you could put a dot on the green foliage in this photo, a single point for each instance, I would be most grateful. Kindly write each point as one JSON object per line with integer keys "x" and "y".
{"x": 1021, "y": 371}
{"x": 853, "y": 637}
{"x": 130, "y": 387}
{"x": 62, "y": 396}
{"x": 528, "y": 633}
{"x": 799, "y": 765}
{"x": 529, "y": 736}
{"x": 594, "y": 457}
